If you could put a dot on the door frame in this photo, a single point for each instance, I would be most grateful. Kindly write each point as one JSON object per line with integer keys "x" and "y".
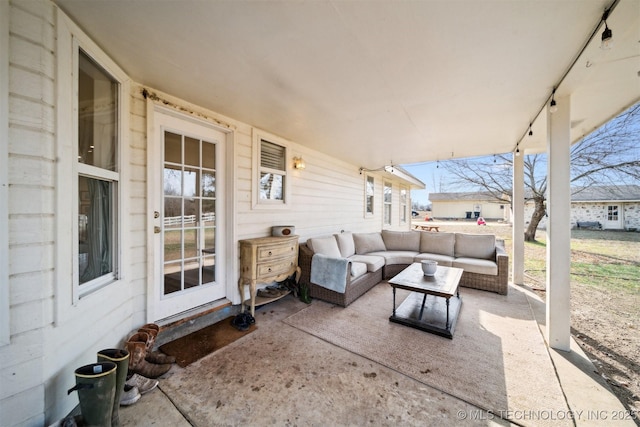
{"x": 228, "y": 252}
{"x": 610, "y": 225}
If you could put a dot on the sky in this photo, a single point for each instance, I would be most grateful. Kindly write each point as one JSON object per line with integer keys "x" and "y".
{"x": 430, "y": 174}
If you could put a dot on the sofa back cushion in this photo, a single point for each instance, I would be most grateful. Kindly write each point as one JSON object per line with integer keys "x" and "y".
{"x": 437, "y": 243}
{"x": 345, "y": 244}
{"x": 325, "y": 245}
{"x": 368, "y": 242}
{"x": 401, "y": 240}
{"x": 481, "y": 246}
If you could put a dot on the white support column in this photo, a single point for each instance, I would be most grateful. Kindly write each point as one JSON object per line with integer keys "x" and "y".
{"x": 559, "y": 226}
{"x": 517, "y": 203}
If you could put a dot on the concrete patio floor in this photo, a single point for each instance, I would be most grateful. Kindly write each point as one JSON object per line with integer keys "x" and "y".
{"x": 342, "y": 394}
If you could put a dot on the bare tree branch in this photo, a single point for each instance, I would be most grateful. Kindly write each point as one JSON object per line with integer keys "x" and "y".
{"x": 610, "y": 154}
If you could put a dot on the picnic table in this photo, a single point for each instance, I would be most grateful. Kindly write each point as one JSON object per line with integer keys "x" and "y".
{"x": 435, "y": 228}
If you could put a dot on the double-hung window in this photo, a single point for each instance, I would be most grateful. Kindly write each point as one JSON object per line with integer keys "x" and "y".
{"x": 98, "y": 176}
{"x": 403, "y": 204}
{"x": 369, "y": 195}
{"x": 91, "y": 197}
{"x": 387, "y": 199}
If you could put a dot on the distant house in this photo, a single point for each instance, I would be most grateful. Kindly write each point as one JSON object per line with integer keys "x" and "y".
{"x": 468, "y": 206}
{"x": 614, "y": 207}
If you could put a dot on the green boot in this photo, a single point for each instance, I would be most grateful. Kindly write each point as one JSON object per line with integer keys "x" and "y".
{"x": 121, "y": 359}
{"x": 96, "y": 386}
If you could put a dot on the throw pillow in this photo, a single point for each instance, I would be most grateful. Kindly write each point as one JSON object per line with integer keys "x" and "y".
{"x": 345, "y": 243}
{"x": 326, "y": 246}
{"x": 368, "y": 242}
{"x": 480, "y": 246}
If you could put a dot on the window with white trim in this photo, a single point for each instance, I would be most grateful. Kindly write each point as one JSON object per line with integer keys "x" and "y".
{"x": 97, "y": 174}
{"x": 92, "y": 143}
{"x": 271, "y": 183}
{"x": 273, "y": 172}
{"x": 403, "y": 204}
{"x": 369, "y": 195}
{"x": 387, "y": 199}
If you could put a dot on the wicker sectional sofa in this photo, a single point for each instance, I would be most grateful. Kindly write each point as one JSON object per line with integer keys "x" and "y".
{"x": 381, "y": 255}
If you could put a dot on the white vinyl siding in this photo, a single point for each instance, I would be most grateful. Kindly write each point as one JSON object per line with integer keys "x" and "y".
{"x": 4, "y": 175}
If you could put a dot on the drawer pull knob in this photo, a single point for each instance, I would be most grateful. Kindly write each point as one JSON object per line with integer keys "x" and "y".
{"x": 269, "y": 269}
{"x": 270, "y": 253}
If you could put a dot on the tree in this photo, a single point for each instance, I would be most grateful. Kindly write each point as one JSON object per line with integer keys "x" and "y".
{"x": 610, "y": 154}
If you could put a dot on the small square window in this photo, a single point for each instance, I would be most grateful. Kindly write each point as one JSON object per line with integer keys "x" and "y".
{"x": 271, "y": 172}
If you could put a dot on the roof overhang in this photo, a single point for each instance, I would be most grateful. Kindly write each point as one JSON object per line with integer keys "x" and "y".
{"x": 413, "y": 182}
{"x": 377, "y": 83}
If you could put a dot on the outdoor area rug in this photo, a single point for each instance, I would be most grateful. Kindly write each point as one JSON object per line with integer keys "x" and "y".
{"x": 198, "y": 344}
{"x": 497, "y": 359}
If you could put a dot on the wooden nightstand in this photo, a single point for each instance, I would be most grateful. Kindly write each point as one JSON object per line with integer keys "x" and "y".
{"x": 266, "y": 260}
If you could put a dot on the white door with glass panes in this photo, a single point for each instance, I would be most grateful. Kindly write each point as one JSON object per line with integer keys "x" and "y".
{"x": 188, "y": 222}
{"x": 614, "y": 217}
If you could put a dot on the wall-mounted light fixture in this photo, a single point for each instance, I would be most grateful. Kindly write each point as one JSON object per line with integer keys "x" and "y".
{"x": 607, "y": 34}
{"x": 552, "y": 105}
{"x": 298, "y": 163}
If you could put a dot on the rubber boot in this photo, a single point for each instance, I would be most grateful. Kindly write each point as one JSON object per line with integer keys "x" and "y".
{"x": 158, "y": 357}
{"x": 121, "y": 359}
{"x": 137, "y": 347}
{"x": 96, "y": 387}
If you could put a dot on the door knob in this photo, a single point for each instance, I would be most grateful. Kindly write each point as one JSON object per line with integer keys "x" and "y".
{"x": 156, "y": 229}
{"x": 156, "y": 214}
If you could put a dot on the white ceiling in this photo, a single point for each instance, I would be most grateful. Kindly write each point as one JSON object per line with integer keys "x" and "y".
{"x": 379, "y": 82}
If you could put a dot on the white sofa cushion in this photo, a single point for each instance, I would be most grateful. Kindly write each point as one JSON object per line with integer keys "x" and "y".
{"x": 396, "y": 257}
{"x": 437, "y": 243}
{"x": 475, "y": 265}
{"x": 444, "y": 260}
{"x": 373, "y": 263}
{"x": 325, "y": 245}
{"x": 358, "y": 269}
{"x": 345, "y": 244}
{"x": 368, "y": 242}
{"x": 401, "y": 240}
{"x": 479, "y": 246}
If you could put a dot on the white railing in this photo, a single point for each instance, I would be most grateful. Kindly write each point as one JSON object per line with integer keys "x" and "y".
{"x": 187, "y": 219}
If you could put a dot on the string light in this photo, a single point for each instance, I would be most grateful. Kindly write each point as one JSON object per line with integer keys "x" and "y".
{"x": 552, "y": 106}
{"x": 607, "y": 34}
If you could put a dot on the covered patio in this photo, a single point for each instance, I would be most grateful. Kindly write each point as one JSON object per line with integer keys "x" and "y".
{"x": 347, "y": 89}
{"x": 424, "y": 81}
{"x": 288, "y": 372}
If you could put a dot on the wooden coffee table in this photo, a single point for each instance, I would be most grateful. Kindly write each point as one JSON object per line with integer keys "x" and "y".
{"x": 437, "y": 314}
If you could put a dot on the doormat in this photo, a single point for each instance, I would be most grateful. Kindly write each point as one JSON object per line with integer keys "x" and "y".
{"x": 200, "y": 343}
